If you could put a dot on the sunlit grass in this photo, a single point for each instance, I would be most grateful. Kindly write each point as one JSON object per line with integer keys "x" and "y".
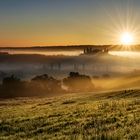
{"x": 76, "y": 116}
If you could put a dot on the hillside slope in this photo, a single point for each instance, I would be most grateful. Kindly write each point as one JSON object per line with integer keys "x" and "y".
{"x": 104, "y": 115}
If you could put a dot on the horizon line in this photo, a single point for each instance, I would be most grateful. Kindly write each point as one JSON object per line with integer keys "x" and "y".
{"x": 74, "y": 45}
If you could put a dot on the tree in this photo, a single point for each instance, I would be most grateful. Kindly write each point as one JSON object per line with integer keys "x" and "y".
{"x": 77, "y": 82}
{"x": 47, "y": 83}
{"x": 11, "y": 80}
{"x": 12, "y": 87}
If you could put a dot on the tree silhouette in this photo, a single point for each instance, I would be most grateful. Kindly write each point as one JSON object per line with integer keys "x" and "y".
{"x": 12, "y": 87}
{"x": 11, "y": 80}
{"x": 47, "y": 84}
{"x": 77, "y": 82}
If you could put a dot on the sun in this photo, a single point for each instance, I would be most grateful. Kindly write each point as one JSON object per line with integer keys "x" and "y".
{"x": 127, "y": 38}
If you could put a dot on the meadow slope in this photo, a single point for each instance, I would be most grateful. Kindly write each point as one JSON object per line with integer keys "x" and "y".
{"x": 101, "y": 116}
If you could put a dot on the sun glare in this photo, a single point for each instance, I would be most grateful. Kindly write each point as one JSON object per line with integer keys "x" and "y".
{"x": 127, "y": 38}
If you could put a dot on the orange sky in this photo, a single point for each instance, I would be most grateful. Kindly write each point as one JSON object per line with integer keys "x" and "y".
{"x": 44, "y": 23}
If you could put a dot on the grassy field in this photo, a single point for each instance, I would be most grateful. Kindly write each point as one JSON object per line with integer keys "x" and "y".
{"x": 102, "y": 116}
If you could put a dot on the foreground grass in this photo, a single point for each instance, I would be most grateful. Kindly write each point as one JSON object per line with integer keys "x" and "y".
{"x": 114, "y": 115}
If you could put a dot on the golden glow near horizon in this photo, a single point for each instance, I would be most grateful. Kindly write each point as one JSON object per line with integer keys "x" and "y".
{"x": 113, "y": 23}
{"x": 125, "y": 35}
{"x": 127, "y": 38}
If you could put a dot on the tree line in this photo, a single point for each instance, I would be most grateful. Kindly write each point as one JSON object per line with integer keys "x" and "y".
{"x": 42, "y": 85}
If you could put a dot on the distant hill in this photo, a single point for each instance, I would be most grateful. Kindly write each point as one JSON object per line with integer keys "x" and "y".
{"x": 78, "y": 47}
{"x": 69, "y": 47}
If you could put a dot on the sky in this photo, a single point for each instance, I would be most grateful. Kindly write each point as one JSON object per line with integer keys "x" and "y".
{"x": 67, "y": 22}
